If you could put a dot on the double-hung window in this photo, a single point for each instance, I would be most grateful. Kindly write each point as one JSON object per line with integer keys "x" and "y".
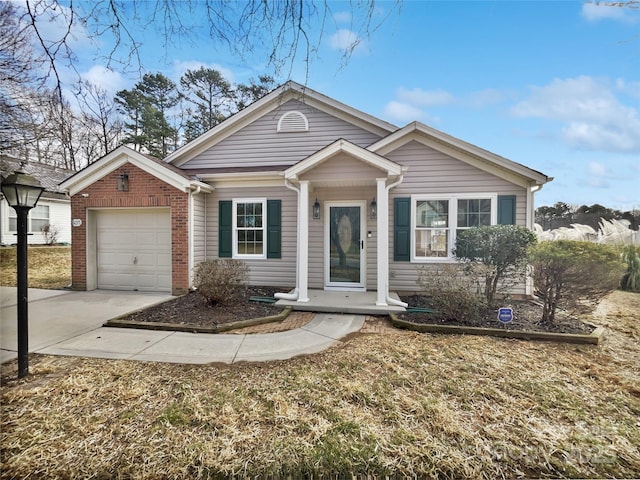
{"x": 436, "y": 221}
{"x": 37, "y": 219}
{"x": 249, "y": 225}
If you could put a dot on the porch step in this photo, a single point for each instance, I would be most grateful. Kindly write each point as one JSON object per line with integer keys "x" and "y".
{"x": 360, "y": 303}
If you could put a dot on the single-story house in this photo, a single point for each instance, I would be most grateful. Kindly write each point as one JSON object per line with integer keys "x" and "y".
{"x": 309, "y": 192}
{"x": 50, "y": 218}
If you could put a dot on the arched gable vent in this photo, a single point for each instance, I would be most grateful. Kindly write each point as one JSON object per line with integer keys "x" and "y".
{"x": 293, "y": 122}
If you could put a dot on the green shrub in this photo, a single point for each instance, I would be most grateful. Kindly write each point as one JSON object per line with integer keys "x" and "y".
{"x": 497, "y": 253}
{"x": 574, "y": 275}
{"x": 452, "y": 293}
{"x": 631, "y": 279}
{"x": 221, "y": 281}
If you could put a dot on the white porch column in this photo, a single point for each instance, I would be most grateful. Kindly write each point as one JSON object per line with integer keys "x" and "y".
{"x": 383, "y": 241}
{"x": 303, "y": 242}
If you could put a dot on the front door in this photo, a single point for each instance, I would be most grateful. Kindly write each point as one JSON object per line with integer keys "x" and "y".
{"x": 344, "y": 245}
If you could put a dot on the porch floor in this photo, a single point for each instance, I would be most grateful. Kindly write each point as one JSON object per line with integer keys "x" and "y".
{"x": 362, "y": 303}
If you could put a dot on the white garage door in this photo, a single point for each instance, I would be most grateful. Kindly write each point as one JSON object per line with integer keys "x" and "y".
{"x": 134, "y": 250}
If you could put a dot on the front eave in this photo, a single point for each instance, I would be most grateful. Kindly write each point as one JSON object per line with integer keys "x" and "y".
{"x": 289, "y": 91}
{"x": 461, "y": 150}
{"x": 123, "y": 155}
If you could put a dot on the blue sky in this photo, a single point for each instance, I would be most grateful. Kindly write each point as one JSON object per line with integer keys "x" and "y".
{"x": 552, "y": 85}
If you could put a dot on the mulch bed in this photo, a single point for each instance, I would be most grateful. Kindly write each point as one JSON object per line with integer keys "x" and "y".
{"x": 527, "y": 315}
{"x": 191, "y": 309}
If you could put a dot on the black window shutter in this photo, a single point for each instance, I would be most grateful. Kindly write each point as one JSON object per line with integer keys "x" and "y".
{"x": 506, "y": 210}
{"x": 225, "y": 229}
{"x": 274, "y": 229}
{"x": 402, "y": 229}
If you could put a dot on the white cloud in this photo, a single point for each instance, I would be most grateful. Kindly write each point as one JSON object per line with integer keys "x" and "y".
{"x": 630, "y": 88}
{"x": 593, "y": 117}
{"x": 403, "y": 112}
{"x": 595, "y": 11}
{"x": 425, "y": 98}
{"x": 105, "y": 78}
{"x": 342, "y": 17}
{"x": 346, "y": 40}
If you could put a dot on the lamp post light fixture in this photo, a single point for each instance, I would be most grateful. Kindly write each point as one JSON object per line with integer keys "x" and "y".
{"x": 22, "y": 193}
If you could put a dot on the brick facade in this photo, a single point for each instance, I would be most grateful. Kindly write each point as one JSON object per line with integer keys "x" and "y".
{"x": 145, "y": 190}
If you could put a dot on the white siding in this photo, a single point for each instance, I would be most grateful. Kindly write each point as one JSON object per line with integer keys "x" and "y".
{"x": 260, "y": 144}
{"x": 59, "y": 217}
{"x": 432, "y": 172}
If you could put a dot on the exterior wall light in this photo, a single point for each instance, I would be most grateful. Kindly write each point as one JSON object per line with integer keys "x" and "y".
{"x": 22, "y": 193}
{"x": 374, "y": 209}
{"x": 123, "y": 182}
{"x": 316, "y": 210}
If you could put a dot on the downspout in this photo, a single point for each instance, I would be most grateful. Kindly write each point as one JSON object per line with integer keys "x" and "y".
{"x": 191, "y": 238}
{"x": 393, "y": 301}
{"x": 292, "y": 296}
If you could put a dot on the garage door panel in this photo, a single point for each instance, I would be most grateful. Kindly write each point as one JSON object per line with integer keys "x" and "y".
{"x": 134, "y": 249}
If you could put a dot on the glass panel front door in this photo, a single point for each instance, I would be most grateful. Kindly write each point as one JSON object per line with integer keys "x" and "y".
{"x": 346, "y": 246}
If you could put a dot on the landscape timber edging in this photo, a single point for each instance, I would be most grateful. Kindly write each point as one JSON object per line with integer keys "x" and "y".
{"x": 593, "y": 338}
{"x": 178, "y": 327}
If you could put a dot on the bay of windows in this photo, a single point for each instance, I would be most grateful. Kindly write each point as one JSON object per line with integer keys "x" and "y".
{"x": 436, "y": 220}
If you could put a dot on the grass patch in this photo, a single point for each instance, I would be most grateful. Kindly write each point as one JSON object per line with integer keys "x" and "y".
{"x": 401, "y": 404}
{"x": 48, "y": 267}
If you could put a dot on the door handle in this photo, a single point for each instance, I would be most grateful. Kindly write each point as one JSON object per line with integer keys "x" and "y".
{"x": 361, "y": 244}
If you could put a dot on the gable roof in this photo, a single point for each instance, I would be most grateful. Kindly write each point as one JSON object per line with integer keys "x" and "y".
{"x": 121, "y": 155}
{"x": 279, "y": 96}
{"x": 49, "y": 176}
{"x": 460, "y": 150}
{"x": 343, "y": 146}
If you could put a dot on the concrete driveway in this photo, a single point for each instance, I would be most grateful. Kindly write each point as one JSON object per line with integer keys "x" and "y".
{"x": 70, "y": 323}
{"x": 59, "y": 315}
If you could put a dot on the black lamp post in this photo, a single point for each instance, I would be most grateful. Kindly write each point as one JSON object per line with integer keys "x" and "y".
{"x": 22, "y": 192}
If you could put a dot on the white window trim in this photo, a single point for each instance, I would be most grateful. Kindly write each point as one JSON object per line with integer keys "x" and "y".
{"x": 12, "y": 214}
{"x": 235, "y": 253}
{"x": 453, "y": 220}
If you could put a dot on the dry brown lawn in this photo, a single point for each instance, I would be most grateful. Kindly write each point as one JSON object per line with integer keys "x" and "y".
{"x": 48, "y": 267}
{"x": 399, "y": 403}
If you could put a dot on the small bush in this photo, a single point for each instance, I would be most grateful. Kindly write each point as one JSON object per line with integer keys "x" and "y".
{"x": 631, "y": 279}
{"x": 496, "y": 253}
{"x": 50, "y": 234}
{"x": 453, "y": 294}
{"x": 574, "y": 275}
{"x": 221, "y": 281}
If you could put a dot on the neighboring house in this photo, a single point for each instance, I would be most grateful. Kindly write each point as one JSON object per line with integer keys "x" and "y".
{"x": 53, "y": 211}
{"x": 308, "y": 191}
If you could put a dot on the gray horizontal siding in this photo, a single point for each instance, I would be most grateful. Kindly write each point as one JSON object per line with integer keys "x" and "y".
{"x": 343, "y": 167}
{"x": 199, "y": 228}
{"x": 259, "y": 144}
{"x": 431, "y": 172}
{"x": 316, "y": 234}
{"x": 276, "y": 272}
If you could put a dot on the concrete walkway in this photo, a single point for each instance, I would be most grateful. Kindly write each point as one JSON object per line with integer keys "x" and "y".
{"x": 70, "y": 323}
